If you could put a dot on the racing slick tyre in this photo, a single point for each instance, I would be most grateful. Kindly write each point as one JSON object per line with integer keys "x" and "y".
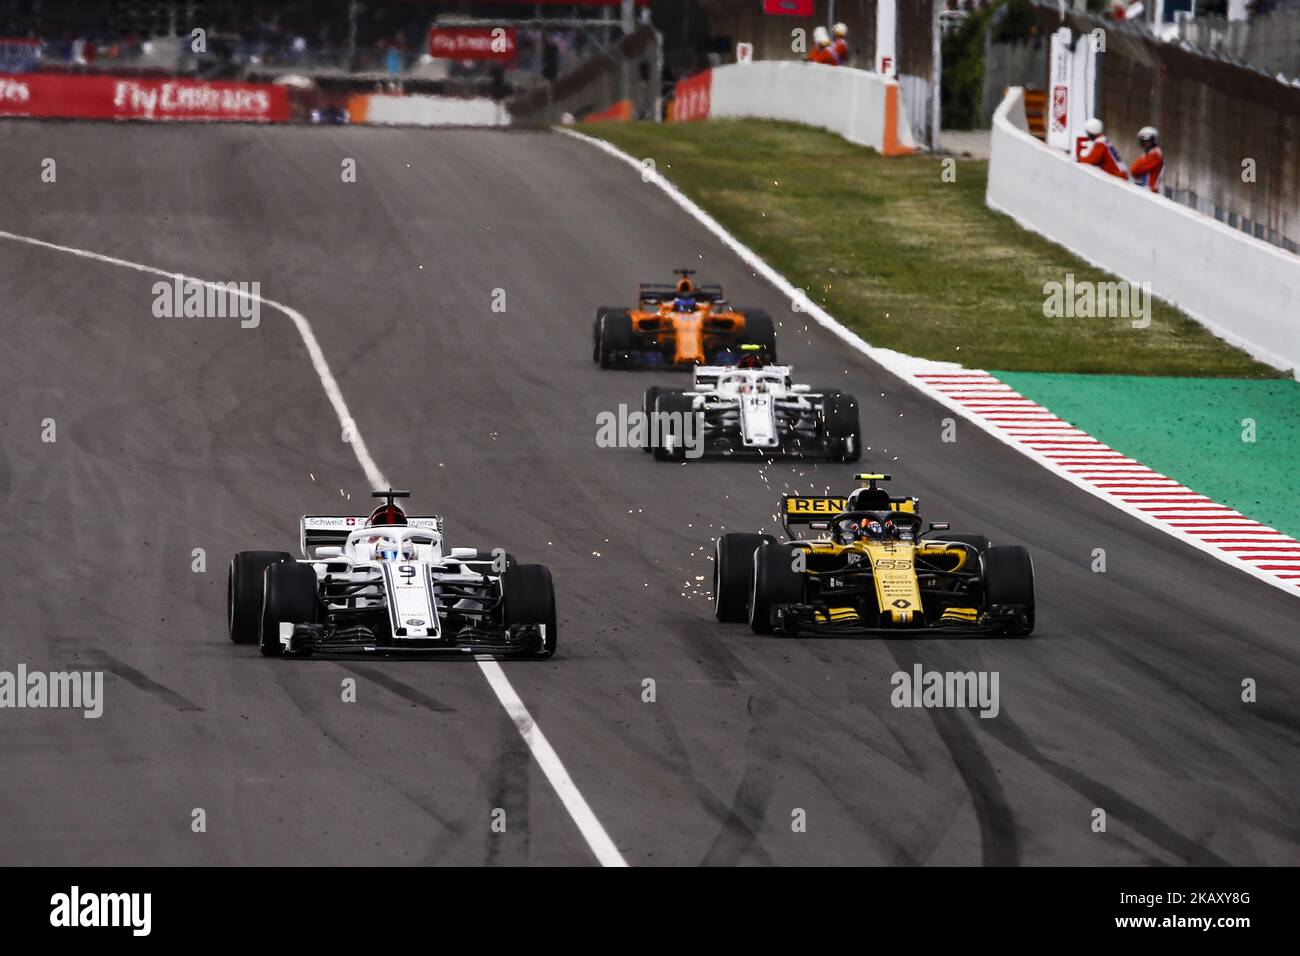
{"x": 289, "y": 593}
{"x": 733, "y": 563}
{"x": 648, "y": 409}
{"x": 977, "y": 541}
{"x": 775, "y": 581}
{"x": 595, "y": 328}
{"x": 1008, "y": 574}
{"x": 672, "y": 407}
{"x": 613, "y": 338}
{"x": 760, "y": 330}
{"x": 843, "y": 431}
{"x": 244, "y": 592}
{"x": 529, "y": 598}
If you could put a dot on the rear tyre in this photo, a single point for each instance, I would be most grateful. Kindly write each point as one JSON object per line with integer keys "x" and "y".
{"x": 647, "y": 410}
{"x": 529, "y": 598}
{"x": 775, "y": 582}
{"x": 290, "y": 593}
{"x": 669, "y": 434}
{"x": 843, "y": 432}
{"x": 613, "y": 338}
{"x": 1008, "y": 574}
{"x": 595, "y": 328}
{"x": 244, "y": 592}
{"x": 760, "y": 330}
{"x": 733, "y": 563}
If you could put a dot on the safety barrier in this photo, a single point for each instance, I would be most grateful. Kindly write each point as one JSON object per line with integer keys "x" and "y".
{"x": 1242, "y": 289}
{"x": 861, "y": 106}
{"x": 383, "y": 110}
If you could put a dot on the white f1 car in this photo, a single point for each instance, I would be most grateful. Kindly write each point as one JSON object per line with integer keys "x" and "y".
{"x": 751, "y": 411}
{"x": 385, "y": 585}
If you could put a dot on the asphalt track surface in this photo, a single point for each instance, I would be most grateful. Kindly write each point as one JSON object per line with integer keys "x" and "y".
{"x": 176, "y": 434}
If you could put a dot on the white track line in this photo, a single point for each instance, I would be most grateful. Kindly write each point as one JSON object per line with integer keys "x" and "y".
{"x": 606, "y": 853}
{"x": 998, "y": 409}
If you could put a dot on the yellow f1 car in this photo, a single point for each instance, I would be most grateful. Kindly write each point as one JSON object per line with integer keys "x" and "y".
{"x": 871, "y": 568}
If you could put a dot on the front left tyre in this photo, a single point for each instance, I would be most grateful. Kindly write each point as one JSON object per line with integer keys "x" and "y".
{"x": 843, "y": 431}
{"x": 289, "y": 595}
{"x": 1008, "y": 574}
{"x": 244, "y": 592}
{"x": 529, "y": 597}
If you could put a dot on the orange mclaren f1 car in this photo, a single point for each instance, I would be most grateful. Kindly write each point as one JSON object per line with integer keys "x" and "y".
{"x": 682, "y": 326}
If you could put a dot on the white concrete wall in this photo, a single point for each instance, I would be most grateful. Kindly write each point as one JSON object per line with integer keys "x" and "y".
{"x": 434, "y": 111}
{"x": 836, "y": 98}
{"x": 1242, "y": 289}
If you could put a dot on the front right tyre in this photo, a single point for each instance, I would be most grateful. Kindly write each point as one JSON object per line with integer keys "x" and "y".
{"x": 775, "y": 582}
{"x": 733, "y": 563}
{"x": 244, "y": 592}
{"x": 290, "y": 595}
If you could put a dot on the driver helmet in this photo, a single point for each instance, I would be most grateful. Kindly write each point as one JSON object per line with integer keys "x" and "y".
{"x": 387, "y": 515}
{"x": 684, "y": 303}
{"x": 873, "y": 529}
{"x": 388, "y": 550}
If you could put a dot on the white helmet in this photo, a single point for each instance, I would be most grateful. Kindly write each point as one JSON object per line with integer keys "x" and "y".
{"x": 820, "y": 36}
{"x": 1093, "y": 127}
{"x": 840, "y": 30}
{"x": 1148, "y": 134}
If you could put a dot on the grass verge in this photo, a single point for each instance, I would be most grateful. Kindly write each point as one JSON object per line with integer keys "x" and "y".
{"x": 908, "y": 260}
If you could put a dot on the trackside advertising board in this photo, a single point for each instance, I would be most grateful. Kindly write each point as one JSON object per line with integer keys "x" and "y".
{"x": 52, "y": 95}
{"x": 473, "y": 43}
{"x": 692, "y": 97}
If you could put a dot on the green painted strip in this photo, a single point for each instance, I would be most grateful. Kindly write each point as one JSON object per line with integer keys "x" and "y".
{"x": 1195, "y": 430}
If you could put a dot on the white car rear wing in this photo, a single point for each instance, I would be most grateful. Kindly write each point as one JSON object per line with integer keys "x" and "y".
{"x": 318, "y": 530}
{"x": 706, "y": 376}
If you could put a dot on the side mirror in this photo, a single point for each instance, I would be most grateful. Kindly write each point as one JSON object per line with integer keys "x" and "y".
{"x": 329, "y": 551}
{"x": 819, "y": 526}
{"x": 938, "y": 526}
{"x": 463, "y": 554}
{"x": 801, "y": 388}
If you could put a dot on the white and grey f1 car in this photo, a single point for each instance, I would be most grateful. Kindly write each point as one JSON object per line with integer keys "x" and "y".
{"x": 751, "y": 411}
{"x": 386, "y": 585}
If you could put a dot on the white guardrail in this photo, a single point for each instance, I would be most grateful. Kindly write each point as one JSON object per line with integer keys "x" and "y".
{"x": 1241, "y": 289}
{"x": 861, "y": 106}
{"x": 418, "y": 110}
